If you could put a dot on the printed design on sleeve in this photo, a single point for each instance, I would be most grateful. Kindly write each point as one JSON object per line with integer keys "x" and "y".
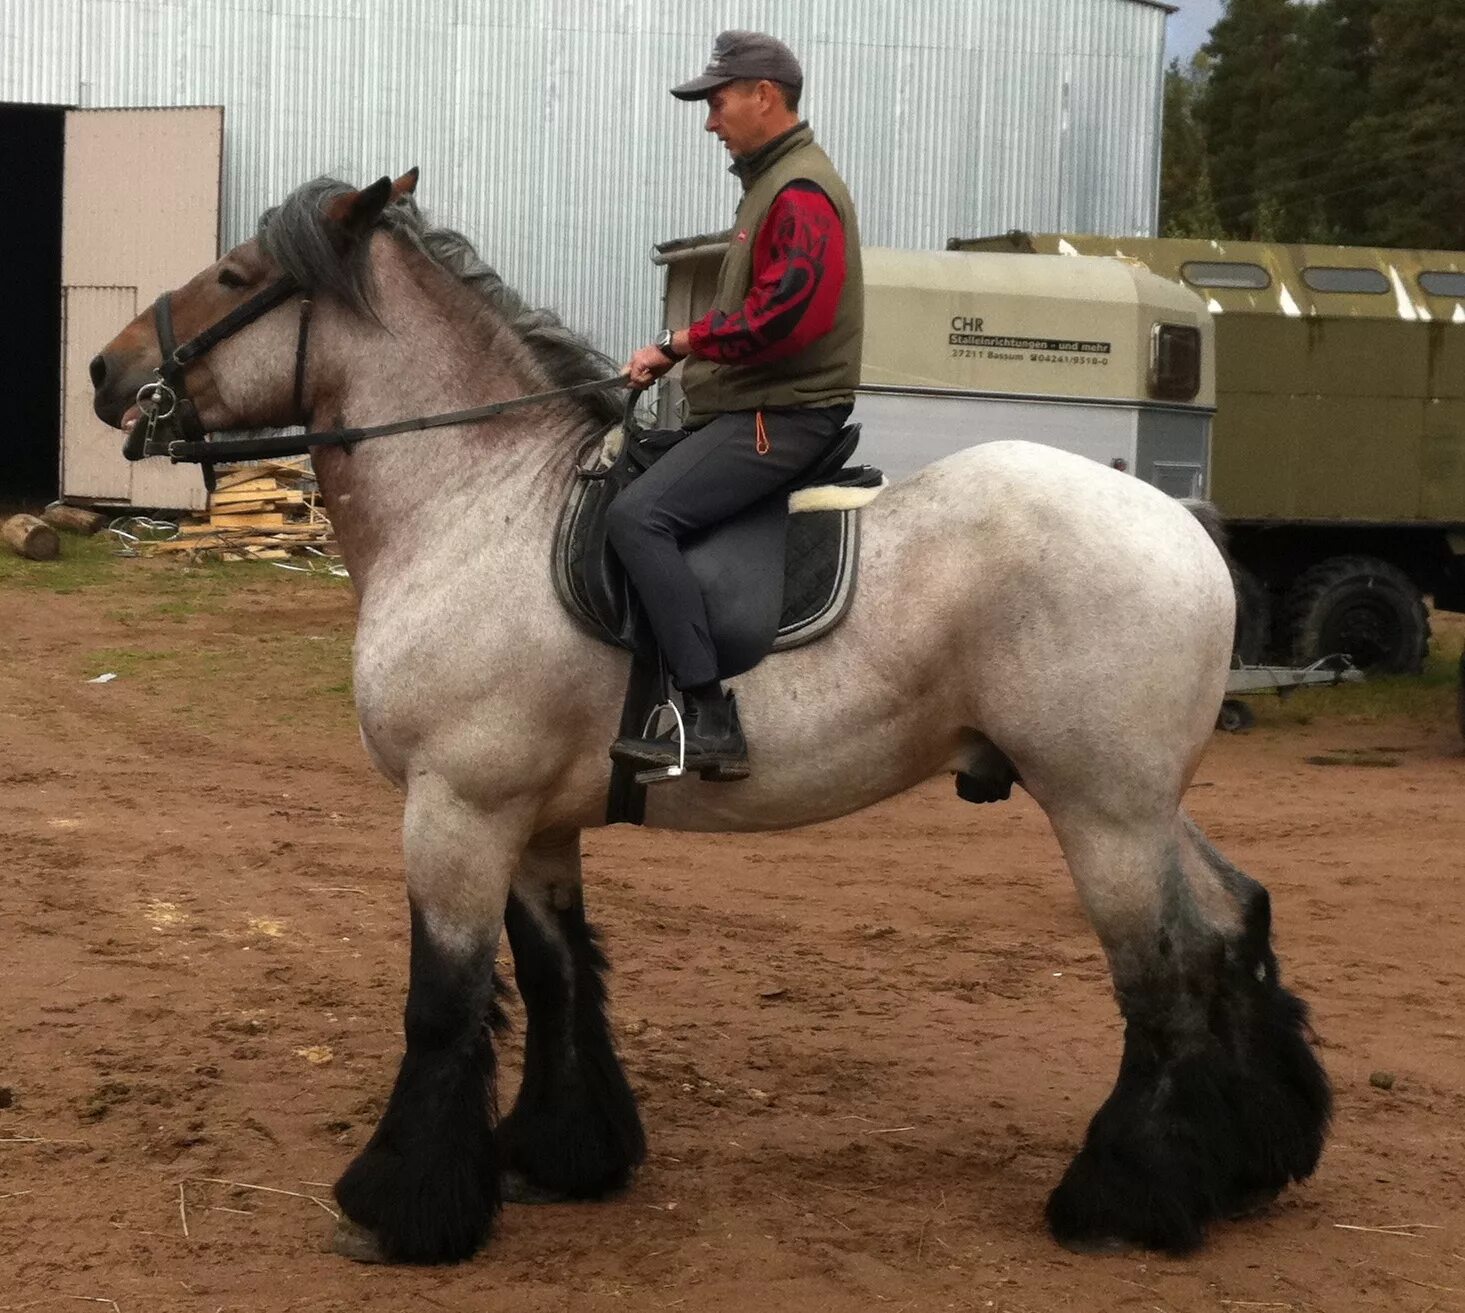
{"x": 798, "y": 274}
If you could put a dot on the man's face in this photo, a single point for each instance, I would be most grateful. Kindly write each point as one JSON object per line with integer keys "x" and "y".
{"x": 738, "y": 115}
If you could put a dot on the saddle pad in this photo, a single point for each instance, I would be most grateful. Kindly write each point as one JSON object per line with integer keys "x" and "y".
{"x": 819, "y": 573}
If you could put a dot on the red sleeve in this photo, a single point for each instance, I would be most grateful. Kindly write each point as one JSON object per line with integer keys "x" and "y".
{"x": 798, "y": 274}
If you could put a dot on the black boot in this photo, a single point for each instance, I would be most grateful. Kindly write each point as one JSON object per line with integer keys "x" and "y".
{"x": 716, "y": 749}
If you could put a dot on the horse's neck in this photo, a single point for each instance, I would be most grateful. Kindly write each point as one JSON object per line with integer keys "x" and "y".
{"x": 489, "y": 492}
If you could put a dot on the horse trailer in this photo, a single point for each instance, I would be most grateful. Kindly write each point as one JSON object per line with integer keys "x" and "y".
{"x": 1098, "y": 356}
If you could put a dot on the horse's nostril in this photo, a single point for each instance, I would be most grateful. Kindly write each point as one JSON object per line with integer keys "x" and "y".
{"x": 98, "y": 370}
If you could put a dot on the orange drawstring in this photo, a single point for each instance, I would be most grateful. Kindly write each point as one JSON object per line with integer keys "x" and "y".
{"x": 762, "y": 445}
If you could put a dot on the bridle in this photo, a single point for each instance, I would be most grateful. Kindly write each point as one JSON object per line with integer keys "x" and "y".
{"x": 166, "y": 397}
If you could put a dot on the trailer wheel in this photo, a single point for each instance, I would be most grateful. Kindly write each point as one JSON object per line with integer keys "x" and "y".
{"x": 1364, "y": 608}
{"x": 1236, "y": 716}
{"x": 1460, "y": 698}
{"x": 1253, "y": 640}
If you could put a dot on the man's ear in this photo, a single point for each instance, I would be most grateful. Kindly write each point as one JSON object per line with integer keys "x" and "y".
{"x": 354, "y": 212}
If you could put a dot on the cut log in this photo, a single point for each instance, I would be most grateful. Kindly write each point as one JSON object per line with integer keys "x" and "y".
{"x": 32, "y": 538}
{"x": 75, "y": 519}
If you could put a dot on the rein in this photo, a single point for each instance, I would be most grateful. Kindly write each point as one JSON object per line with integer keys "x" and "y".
{"x": 170, "y": 391}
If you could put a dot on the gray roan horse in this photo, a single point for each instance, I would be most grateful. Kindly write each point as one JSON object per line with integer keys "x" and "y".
{"x": 1015, "y": 605}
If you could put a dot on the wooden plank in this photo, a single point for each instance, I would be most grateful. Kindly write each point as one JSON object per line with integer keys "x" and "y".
{"x": 278, "y": 495}
{"x": 243, "y": 485}
{"x": 265, "y": 521}
{"x": 249, "y": 508}
{"x": 233, "y": 477}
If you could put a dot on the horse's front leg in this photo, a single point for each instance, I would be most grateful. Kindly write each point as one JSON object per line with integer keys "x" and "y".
{"x": 425, "y": 1189}
{"x": 574, "y": 1131}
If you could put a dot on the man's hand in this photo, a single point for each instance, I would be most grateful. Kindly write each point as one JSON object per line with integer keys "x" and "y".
{"x": 646, "y": 365}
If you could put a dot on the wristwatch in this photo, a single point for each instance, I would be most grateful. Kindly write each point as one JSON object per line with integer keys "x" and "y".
{"x": 663, "y": 344}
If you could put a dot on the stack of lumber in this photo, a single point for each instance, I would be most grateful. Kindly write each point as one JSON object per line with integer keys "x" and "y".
{"x": 267, "y": 511}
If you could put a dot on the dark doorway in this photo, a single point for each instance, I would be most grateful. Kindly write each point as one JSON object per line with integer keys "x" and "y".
{"x": 32, "y": 143}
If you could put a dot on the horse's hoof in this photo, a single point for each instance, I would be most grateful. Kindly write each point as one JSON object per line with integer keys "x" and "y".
{"x": 357, "y": 1243}
{"x": 1252, "y": 1203}
{"x": 516, "y": 1188}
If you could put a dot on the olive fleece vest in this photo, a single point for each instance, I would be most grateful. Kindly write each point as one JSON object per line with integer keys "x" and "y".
{"x": 827, "y": 371}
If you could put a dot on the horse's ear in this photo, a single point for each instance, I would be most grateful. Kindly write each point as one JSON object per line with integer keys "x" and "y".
{"x": 406, "y": 184}
{"x": 354, "y": 212}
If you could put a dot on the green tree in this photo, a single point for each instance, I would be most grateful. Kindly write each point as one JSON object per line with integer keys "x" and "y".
{"x": 1249, "y": 96}
{"x": 1340, "y": 52}
{"x": 1187, "y": 205}
{"x": 1412, "y": 133}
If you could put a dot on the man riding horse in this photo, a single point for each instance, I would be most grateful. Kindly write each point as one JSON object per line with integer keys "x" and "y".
{"x": 769, "y": 384}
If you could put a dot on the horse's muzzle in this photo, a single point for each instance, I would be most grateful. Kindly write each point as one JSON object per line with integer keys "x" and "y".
{"x": 134, "y": 445}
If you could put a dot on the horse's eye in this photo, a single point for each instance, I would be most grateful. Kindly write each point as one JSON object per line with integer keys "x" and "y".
{"x": 228, "y": 278}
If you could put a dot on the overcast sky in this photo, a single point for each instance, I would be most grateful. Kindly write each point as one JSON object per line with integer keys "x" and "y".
{"x": 1188, "y": 28}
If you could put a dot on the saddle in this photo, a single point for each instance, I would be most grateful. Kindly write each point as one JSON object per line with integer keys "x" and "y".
{"x": 778, "y": 575}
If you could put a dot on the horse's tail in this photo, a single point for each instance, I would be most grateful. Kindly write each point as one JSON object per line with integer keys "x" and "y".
{"x": 1210, "y": 520}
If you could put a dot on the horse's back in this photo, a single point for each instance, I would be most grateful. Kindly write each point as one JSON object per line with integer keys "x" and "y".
{"x": 1050, "y": 519}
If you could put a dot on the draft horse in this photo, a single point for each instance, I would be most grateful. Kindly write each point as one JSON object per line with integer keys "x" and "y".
{"x": 1017, "y": 607}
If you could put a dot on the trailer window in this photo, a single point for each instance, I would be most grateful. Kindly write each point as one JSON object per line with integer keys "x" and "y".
{"x": 1368, "y": 281}
{"x": 1438, "y": 283}
{"x": 1175, "y": 362}
{"x": 1219, "y": 273}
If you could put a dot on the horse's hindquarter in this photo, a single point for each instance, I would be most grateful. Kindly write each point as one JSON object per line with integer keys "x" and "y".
{"x": 1011, "y": 592}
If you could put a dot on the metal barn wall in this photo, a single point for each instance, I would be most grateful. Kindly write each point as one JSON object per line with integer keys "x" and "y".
{"x": 545, "y": 131}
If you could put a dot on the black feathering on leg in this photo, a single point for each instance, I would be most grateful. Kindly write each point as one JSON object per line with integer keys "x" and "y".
{"x": 1220, "y": 1103}
{"x": 427, "y": 1183}
{"x": 574, "y": 1131}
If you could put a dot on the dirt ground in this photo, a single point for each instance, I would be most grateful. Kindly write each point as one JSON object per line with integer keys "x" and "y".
{"x": 864, "y": 1051}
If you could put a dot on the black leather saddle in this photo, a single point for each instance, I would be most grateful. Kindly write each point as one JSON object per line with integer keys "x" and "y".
{"x": 776, "y": 576}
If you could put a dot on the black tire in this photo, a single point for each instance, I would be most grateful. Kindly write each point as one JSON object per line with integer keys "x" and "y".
{"x": 1253, "y": 640}
{"x": 1365, "y": 609}
{"x": 1460, "y": 698}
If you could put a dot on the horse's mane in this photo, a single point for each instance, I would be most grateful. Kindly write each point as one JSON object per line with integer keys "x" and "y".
{"x": 294, "y": 235}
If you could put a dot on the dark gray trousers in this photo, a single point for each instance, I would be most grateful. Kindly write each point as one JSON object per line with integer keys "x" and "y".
{"x": 707, "y": 477}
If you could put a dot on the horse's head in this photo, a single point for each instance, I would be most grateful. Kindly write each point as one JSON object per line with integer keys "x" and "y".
{"x": 237, "y": 351}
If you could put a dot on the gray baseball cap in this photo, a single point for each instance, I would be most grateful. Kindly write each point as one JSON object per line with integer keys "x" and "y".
{"x": 738, "y": 54}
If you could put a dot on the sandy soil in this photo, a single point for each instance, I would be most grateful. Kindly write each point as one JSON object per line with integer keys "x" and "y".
{"x": 864, "y": 1051}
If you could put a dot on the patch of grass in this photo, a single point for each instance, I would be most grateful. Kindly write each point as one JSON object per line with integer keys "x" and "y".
{"x": 181, "y": 589}
{"x": 122, "y": 662}
{"x": 212, "y": 587}
{"x": 277, "y": 678}
{"x": 1429, "y": 697}
{"x": 83, "y": 563}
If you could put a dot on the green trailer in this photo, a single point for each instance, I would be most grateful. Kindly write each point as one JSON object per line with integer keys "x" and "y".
{"x": 1338, "y": 446}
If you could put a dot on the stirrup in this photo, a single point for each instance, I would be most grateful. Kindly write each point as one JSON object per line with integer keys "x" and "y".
{"x": 659, "y": 773}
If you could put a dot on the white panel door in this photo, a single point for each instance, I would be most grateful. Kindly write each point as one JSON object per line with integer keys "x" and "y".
{"x": 140, "y": 211}
{"x": 91, "y": 452}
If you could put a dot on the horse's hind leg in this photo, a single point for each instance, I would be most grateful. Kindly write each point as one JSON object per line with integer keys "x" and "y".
{"x": 574, "y": 1131}
{"x": 1220, "y": 1101}
{"x": 425, "y": 1189}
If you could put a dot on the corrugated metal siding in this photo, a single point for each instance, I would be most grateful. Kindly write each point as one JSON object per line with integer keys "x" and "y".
{"x": 544, "y": 128}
